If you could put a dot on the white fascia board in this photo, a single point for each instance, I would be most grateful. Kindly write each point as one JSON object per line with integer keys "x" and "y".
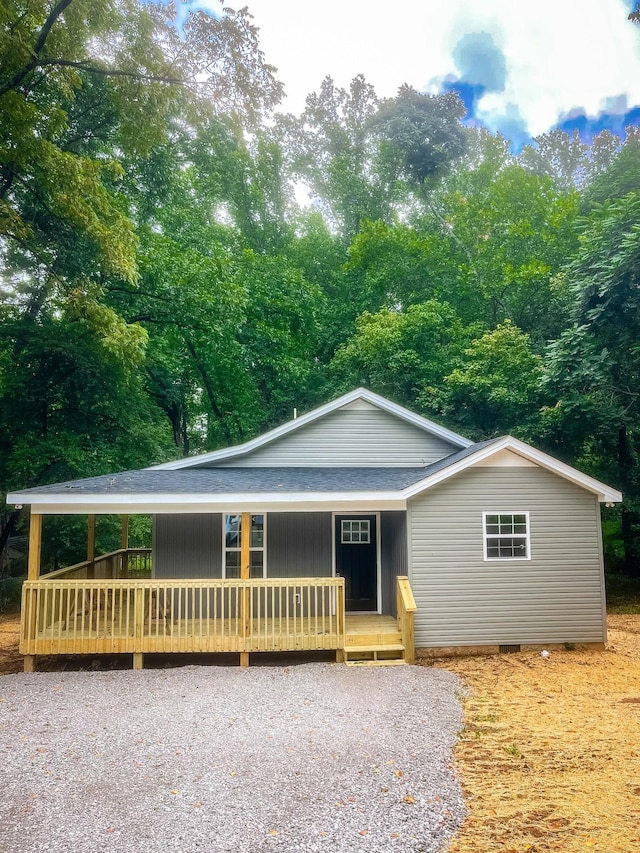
{"x": 52, "y": 504}
{"x": 309, "y": 417}
{"x": 605, "y": 493}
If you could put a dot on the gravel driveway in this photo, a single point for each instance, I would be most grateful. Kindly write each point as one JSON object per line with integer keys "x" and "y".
{"x": 313, "y": 757}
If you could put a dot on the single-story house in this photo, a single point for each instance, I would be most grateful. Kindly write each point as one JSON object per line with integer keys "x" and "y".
{"x": 359, "y": 527}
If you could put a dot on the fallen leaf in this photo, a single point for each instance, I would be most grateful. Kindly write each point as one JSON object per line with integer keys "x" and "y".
{"x": 174, "y": 791}
{"x": 273, "y": 832}
{"x": 409, "y": 799}
{"x": 364, "y": 832}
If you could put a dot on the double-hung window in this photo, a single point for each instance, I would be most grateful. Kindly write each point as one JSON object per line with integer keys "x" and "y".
{"x": 232, "y": 546}
{"x": 506, "y": 536}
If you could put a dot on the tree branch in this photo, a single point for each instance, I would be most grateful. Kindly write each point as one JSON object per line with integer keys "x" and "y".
{"x": 105, "y": 72}
{"x": 19, "y": 76}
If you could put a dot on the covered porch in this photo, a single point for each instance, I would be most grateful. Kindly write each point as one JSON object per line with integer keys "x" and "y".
{"x": 115, "y": 604}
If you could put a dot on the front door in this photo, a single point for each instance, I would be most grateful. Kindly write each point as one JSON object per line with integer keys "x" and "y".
{"x": 356, "y": 560}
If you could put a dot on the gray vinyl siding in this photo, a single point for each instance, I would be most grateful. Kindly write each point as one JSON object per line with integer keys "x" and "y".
{"x": 299, "y": 544}
{"x": 393, "y": 555}
{"x": 370, "y": 437}
{"x": 187, "y": 546}
{"x": 557, "y": 596}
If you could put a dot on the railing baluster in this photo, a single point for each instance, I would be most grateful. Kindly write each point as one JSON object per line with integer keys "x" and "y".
{"x": 263, "y": 614}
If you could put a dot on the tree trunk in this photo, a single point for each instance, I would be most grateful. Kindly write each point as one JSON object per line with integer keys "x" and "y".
{"x": 629, "y": 518}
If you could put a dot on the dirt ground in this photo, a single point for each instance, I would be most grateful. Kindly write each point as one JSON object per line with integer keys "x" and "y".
{"x": 550, "y": 753}
{"x": 10, "y": 657}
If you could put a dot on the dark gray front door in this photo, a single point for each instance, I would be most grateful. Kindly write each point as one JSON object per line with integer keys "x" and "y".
{"x": 356, "y": 560}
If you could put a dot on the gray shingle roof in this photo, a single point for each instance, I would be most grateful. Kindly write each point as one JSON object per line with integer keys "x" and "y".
{"x": 149, "y": 481}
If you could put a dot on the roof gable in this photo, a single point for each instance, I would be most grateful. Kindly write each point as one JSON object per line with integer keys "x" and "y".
{"x": 208, "y": 489}
{"x": 357, "y": 401}
{"x": 483, "y": 452}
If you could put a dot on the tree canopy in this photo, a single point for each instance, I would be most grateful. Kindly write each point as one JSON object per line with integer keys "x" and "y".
{"x": 182, "y": 265}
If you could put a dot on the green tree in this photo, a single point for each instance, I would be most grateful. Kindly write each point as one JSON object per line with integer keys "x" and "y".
{"x": 424, "y": 134}
{"x": 496, "y": 387}
{"x": 593, "y": 369}
{"x": 332, "y": 151}
{"x": 404, "y": 355}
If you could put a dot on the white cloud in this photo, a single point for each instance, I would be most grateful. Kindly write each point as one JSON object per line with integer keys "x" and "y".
{"x": 559, "y": 54}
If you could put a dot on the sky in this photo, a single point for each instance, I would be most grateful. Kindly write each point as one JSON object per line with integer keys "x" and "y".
{"x": 522, "y": 68}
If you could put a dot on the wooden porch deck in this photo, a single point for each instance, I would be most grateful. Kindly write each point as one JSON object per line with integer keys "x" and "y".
{"x": 69, "y": 613}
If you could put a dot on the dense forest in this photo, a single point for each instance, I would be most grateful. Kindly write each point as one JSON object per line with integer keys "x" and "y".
{"x": 182, "y": 263}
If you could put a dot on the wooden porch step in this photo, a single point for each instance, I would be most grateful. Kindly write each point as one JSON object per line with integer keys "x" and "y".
{"x": 391, "y": 638}
{"x": 382, "y": 654}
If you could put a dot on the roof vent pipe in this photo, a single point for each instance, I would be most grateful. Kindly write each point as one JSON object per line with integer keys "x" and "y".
{"x": 295, "y": 413}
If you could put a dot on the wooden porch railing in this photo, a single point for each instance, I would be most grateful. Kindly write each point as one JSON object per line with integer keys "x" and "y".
{"x": 103, "y": 616}
{"x": 123, "y": 563}
{"x": 406, "y": 608}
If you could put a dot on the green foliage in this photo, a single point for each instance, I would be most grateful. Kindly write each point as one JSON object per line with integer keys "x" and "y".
{"x": 496, "y": 388}
{"x": 332, "y": 149}
{"x": 10, "y": 594}
{"x": 623, "y": 594}
{"x": 163, "y": 293}
{"x": 423, "y": 133}
{"x": 403, "y": 355}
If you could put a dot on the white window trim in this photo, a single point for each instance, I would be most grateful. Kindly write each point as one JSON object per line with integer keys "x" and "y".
{"x": 486, "y": 536}
{"x": 239, "y": 550}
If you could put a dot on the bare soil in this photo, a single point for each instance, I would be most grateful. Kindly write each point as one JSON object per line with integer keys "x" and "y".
{"x": 550, "y": 753}
{"x": 10, "y": 657}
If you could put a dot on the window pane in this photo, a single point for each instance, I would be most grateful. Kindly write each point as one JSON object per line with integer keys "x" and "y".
{"x": 257, "y": 531}
{"x": 232, "y": 528}
{"x": 355, "y": 530}
{"x": 256, "y": 564}
{"x": 492, "y": 519}
{"x": 232, "y": 564}
{"x": 506, "y": 547}
{"x": 506, "y": 524}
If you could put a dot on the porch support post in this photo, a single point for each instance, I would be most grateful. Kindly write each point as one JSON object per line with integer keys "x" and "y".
{"x": 33, "y": 574}
{"x": 245, "y": 558}
{"x": 35, "y": 546}
{"x": 91, "y": 538}
{"x": 124, "y": 546}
